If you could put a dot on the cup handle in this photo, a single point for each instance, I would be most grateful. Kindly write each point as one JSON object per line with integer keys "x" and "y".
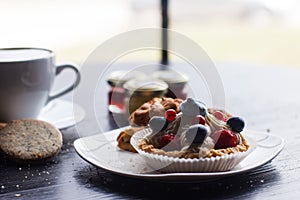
{"x": 59, "y": 69}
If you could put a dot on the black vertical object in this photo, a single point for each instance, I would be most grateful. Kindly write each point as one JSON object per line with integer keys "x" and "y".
{"x": 165, "y": 21}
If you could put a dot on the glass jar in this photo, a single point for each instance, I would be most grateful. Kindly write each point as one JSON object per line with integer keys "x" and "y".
{"x": 116, "y": 94}
{"x": 176, "y": 82}
{"x": 141, "y": 90}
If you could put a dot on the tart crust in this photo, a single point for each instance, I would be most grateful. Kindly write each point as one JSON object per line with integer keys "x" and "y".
{"x": 149, "y": 148}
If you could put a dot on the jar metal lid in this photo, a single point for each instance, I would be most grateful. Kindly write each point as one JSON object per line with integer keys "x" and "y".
{"x": 142, "y": 85}
{"x": 121, "y": 76}
{"x": 170, "y": 76}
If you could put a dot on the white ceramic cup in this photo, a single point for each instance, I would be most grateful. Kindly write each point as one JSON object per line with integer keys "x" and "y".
{"x": 26, "y": 78}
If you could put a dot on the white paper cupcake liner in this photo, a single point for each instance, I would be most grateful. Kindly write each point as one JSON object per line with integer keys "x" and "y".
{"x": 164, "y": 163}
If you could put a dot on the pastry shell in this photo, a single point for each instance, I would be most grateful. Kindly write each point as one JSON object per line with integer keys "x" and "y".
{"x": 165, "y": 163}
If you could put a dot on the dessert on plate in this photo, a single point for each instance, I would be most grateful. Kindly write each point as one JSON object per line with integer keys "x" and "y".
{"x": 195, "y": 139}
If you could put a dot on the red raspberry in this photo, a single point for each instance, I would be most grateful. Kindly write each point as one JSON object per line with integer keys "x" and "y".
{"x": 170, "y": 115}
{"x": 169, "y": 142}
{"x": 220, "y": 116}
{"x": 199, "y": 119}
{"x": 224, "y": 139}
{"x": 166, "y": 139}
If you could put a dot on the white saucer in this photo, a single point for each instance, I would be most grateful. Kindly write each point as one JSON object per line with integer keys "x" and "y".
{"x": 60, "y": 113}
{"x": 101, "y": 150}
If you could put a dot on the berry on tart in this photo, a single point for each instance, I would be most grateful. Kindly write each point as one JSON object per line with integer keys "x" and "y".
{"x": 196, "y": 134}
{"x": 198, "y": 119}
{"x": 166, "y": 139}
{"x": 220, "y": 116}
{"x": 236, "y": 124}
{"x": 169, "y": 142}
{"x": 224, "y": 139}
{"x": 170, "y": 115}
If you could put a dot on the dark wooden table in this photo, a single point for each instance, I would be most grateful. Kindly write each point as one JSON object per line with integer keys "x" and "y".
{"x": 267, "y": 97}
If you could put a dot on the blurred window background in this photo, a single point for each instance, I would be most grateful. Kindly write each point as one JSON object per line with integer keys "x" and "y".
{"x": 246, "y": 31}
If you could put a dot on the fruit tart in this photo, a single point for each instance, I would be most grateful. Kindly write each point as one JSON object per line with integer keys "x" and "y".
{"x": 196, "y": 139}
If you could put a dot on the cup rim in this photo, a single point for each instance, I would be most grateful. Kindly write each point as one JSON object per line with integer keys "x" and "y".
{"x": 51, "y": 53}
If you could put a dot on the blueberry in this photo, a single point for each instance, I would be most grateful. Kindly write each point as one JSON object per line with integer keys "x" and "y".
{"x": 191, "y": 107}
{"x": 236, "y": 124}
{"x": 202, "y": 108}
{"x": 158, "y": 123}
{"x": 196, "y": 134}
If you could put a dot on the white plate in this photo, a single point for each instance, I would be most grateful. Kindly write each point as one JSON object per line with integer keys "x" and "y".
{"x": 60, "y": 113}
{"x": 101, "y": 150}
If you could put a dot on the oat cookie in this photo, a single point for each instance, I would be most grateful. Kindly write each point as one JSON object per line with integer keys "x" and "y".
{"x": 30, "y": 140}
